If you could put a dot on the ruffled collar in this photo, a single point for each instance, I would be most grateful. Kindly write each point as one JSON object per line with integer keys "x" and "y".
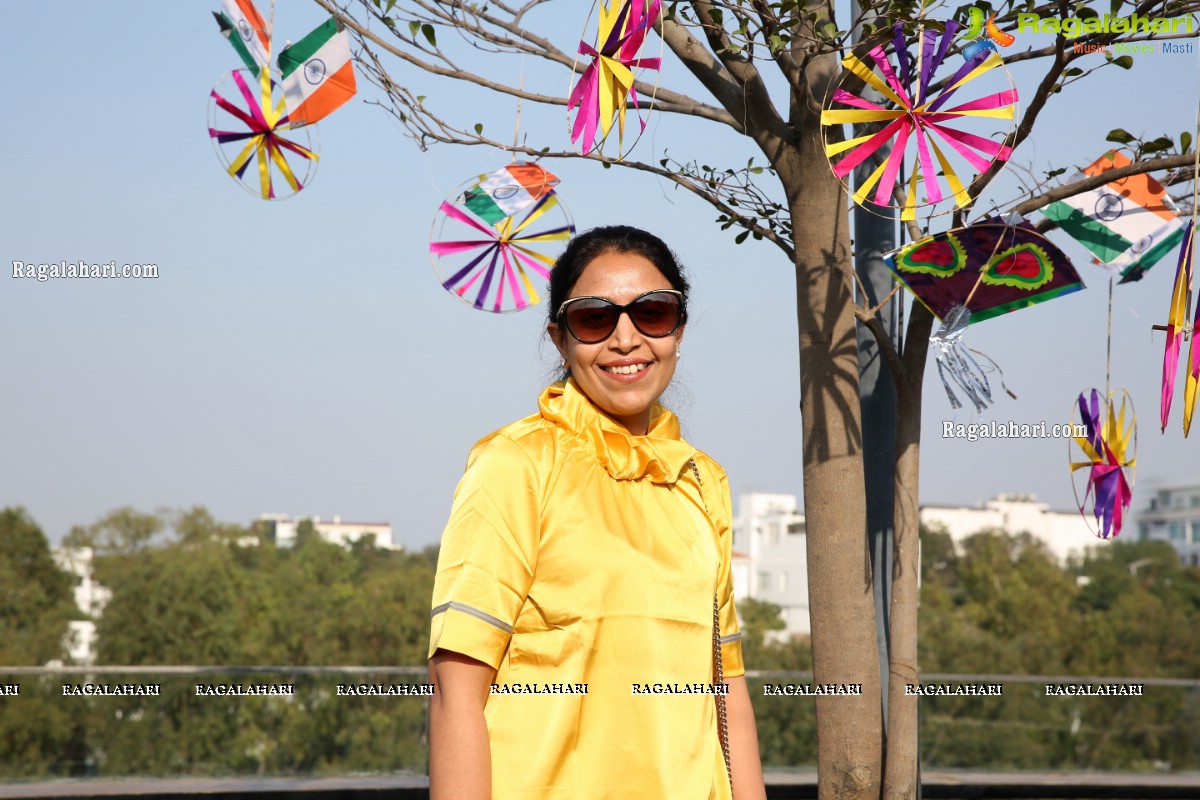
{"x": 661, "y": 455}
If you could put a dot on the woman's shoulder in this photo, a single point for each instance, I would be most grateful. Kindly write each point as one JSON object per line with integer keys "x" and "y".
{"x": 707, "y": 463}
{"x": 528, "y": 434}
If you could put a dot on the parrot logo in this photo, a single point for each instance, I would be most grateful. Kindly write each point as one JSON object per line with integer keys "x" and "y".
{"x": 983, "y": 35}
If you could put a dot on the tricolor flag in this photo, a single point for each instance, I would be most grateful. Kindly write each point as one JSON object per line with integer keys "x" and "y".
{"x": 508, "y": 191}
{"x": 1126, "y": 223}
{"x": 318, "y": 75}
{"x": 245, "y": 29}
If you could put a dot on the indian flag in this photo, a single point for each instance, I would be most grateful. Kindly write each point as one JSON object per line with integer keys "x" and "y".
{"x": 1126, "y": 223}
{"x": 508, "y": 191}
{"x": 318, "y": 75}
{"x": 245, "y": 29}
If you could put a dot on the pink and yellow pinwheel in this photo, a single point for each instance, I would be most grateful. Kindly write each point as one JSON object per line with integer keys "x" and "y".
{"x": 1176, "y": 328}
{"x": 893, "y": 96}
{"x": 253, "y": 133}
{"x": 484, "y": 252}
{"x": 601, "y": 95}
{"x": 1109, "y": 446}
{"x": 1192, "y": 387}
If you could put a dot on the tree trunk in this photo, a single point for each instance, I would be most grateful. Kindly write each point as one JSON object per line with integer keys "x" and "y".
{"x": 842, "y": 610}
{"x": 903, "y": 756}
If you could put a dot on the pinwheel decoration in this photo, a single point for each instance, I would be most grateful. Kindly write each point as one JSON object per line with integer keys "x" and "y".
{"x": 253, "y": 130}
{"x": 1109, "y": 450}
{"x": 269, "y": 126}
{"x": 494, "y": 232}
{"x": 1177, "y": 328}
{"x": 974, "y": 273}
{"x": 600, "y": 97}
{"x": 895, "y": 95}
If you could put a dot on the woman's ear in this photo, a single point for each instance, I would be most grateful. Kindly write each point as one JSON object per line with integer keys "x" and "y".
{"x": 556, "y": 335}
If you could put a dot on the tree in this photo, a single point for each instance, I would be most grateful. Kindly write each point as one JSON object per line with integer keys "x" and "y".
{"x": 747, "y": 54}
{"x": 35, "y": 606}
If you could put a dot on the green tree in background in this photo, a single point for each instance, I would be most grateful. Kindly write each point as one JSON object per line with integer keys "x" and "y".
{"x": 35, "y": 594}
{"x": 35, "y": 605}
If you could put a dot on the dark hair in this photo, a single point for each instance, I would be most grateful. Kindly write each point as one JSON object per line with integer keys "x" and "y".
{"x": 586, "y": 247}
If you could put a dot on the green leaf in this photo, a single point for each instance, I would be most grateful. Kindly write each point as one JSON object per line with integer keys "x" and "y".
{"x": 741, "y": 237}
{"x": 420, "y": 99}
{"x": 1072, "y": 72}
{"x": 1158, "y": 145}
{"x": 391, "y": 4}
{"x": 1185, "y": 142}
{"x": 428, "y": 31}
{"x": 1124, "y": 62}
{"x": 413, "y": 27}
{"x": 479, "y": 129}
{"x": 1119, "y": 135}
{"x": 1054, "y": 173}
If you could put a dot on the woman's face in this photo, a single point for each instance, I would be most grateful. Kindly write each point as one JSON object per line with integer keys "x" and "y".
{"x": 625, "y": 395}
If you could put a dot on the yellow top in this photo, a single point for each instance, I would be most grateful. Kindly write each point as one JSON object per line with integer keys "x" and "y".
{"x": 577, "y": 553}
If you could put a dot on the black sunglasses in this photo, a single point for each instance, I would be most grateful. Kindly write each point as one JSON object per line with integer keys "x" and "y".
{"x": 593, "y": 319}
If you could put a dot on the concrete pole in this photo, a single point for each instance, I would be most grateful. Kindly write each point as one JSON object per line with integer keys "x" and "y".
{"x": 875, "y": 234}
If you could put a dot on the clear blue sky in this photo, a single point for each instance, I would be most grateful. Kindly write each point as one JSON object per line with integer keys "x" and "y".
{"x": 300, "y": 356}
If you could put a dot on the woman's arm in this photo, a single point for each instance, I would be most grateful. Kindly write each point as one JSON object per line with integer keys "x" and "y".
{"x": 745, "y": 762}
{"x": 460, "y": 759}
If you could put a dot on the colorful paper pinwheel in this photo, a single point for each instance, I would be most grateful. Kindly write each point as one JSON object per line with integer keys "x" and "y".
{"x": 912, "y": 112}
{"x": 484, "y": 254}
{"x": 990, "y": 267}
{"x": 253, "y": 133}
{"x": 601, "y": 95}
{"x": 1176, "y": 329}
{"x": 1110, "y": 449}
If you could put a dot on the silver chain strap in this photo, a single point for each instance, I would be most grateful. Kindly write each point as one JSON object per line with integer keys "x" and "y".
{"x": 722, "y": 714}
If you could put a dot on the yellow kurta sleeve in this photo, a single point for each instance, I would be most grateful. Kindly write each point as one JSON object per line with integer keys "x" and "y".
{"x": 488, "y": 553}
{"x": 732, "y": 664}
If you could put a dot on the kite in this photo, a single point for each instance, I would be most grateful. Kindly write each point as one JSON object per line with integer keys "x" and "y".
{"x": 1109, "y": 446}
{"x": 972, "y": 274}
{"x": 508, "y": 191}
{"x": 989, "y": 267}
{"x": 601, "y": 95}
{"x": 488, "y": 265}
{"x": 1176, "y": 328}
{"x": 254, "y": 133}
{"x": 1128, "y": 224}
{"x": 890, "y": 96}
{"x": 318, "y": 73}
{"x": 245, "y": 29}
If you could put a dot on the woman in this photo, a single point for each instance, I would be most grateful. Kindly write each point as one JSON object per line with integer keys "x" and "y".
{"x": 574, "y": 646}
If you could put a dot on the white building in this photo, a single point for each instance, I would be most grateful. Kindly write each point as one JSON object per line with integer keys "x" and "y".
{"x": 90, "y": 598}
{"x": 1063, "y": 532}
{"x": 282, "y": 531}
{"x": 1173, "y": 515}
{"x": 770, "y": 558}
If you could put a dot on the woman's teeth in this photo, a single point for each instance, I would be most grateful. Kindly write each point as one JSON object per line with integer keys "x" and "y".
{"x": 627, "y": 370}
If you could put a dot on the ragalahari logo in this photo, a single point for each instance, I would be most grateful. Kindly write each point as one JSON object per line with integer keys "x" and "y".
{"x": 983, "y": 36}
